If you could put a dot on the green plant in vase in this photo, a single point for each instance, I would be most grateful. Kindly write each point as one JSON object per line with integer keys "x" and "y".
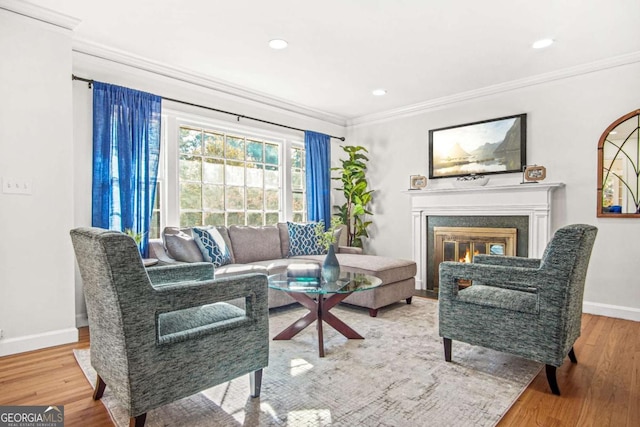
{"x": 327, "y": 239}
{"x": 137, "y": 237}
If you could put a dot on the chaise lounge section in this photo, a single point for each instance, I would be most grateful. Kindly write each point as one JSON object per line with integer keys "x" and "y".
{"x": 266, "y": 250}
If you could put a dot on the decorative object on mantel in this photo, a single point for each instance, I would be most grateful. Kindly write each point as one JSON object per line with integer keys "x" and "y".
{"x": 533, "y": 173}
{"x": 619, "y": 168}
{"x": 472, "y": 180}
{"x": 417, "y": 182}
{"x": 487, "y": 147}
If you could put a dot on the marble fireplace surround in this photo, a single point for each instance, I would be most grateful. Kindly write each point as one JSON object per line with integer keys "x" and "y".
{"x": 531, "y": 200}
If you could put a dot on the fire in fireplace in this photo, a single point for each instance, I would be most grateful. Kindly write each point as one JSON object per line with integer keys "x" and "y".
{"x": 459, "y": 243}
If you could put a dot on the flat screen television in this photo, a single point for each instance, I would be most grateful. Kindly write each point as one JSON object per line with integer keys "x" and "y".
{"x": 487, "y": 147}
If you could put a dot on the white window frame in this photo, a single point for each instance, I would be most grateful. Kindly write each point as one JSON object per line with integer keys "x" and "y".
{"x": 174, "y": 119}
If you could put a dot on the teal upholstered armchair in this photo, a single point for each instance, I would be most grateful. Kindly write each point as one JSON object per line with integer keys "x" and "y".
{"x": 528, "y": 307}
{"x": 162, "y": 334}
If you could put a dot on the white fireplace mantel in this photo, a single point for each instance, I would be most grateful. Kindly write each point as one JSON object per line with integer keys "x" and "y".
{"x": 532, "y": 200}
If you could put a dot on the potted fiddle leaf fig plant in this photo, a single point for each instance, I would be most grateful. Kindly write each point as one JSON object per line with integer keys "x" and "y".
{"x": 353, "y": 213}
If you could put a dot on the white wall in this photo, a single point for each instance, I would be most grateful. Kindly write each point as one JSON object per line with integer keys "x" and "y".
{"x": 565, "y": 121}
{"x": 36, "y": 257}
{"x": 109, "y": 71}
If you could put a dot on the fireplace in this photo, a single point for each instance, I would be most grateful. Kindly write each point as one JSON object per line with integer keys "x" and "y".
{"x": 486, "y": 231}
{"x": 461, "y": 244}
{"x": 526, "y": 207}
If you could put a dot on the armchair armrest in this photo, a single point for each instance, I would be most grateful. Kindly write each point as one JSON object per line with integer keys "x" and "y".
{"x": 173, "y": 297}
{"x": 190, "y": 272}
{"x": 511, "y": 261}
{"x": 181, "y": 295}
{"x": 520, "y": 278}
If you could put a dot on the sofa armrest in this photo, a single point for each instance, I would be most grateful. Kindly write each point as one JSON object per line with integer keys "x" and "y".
{"x": 349, "y": 250}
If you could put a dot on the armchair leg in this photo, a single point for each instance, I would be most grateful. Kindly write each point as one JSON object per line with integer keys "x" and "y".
{"x": 255, "y": 378}
{"x": 138, "y": 421}
{"x": 447, "y": 349}
{"x": 98, "y": 391}
{"x": 551, "y": 378}
{"x": 572, "y": 356}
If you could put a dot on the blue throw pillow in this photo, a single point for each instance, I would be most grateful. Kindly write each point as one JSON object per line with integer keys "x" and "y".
{"x": 212, "y": 246}
{"x": 303, "y": 239}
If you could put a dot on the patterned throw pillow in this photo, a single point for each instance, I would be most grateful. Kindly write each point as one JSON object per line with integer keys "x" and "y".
{"x": 212, "y": 246}
{"x": 303, "y": 239}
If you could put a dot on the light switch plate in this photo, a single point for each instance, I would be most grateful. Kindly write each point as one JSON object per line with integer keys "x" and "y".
{"x": 17, "y": 186}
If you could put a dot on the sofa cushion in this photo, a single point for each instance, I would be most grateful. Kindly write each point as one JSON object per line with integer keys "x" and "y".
{"x": 284, "y": 239}
{"x": 232, "y": 270}
{"x": 338, "y": 235}
{"x": 303, "y": 239}
{"x": 213, "y": 247}
{"x": 390, "y": 270}
{"x": 278, "y": 266}
{"x": 251, "y": 244}
{"x": 180, "y": 245}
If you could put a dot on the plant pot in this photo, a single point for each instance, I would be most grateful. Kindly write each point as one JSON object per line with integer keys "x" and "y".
{"x": 331, "y": 266}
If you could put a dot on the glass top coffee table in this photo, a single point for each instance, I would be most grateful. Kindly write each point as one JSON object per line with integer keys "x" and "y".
{"x": 320, "y": 297}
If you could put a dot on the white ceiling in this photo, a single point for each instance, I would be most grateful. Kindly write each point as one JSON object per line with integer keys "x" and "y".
{"x": 340, "y": 50}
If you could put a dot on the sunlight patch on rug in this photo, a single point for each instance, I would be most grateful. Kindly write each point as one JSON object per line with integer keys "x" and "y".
{"x": 396, "y": 376}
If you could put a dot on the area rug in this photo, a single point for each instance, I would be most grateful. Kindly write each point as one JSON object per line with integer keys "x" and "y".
{"x": 396, "y": 376}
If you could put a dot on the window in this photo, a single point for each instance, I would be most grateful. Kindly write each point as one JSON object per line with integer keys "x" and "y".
{"x": 231, "y": 178}
{"x": 299, "y": 206}
{"x": 154, "y": 226}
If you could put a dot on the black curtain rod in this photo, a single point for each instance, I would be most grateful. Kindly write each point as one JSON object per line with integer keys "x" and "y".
{"x": 239, "y": 116}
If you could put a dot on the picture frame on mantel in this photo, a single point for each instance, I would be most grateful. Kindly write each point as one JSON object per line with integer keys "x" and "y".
{"x": 486, "y": 147}
{"x": 417, "y": 182}
{"x": 533, "y": 174}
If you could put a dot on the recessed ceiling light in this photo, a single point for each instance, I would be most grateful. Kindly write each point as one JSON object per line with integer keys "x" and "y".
{"x": 379, "y": 92}
{"x": 278, "y": 44}
{"x": 540, "y": 44}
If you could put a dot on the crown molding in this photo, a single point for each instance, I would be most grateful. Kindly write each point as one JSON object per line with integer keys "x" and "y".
{"x": 437, "y": 103}
{"x": 125, "y": 58}
{"x": 40, "y": 13}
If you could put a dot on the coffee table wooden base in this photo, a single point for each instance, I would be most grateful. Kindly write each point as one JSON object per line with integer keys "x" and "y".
{"x": 318, "y": 311}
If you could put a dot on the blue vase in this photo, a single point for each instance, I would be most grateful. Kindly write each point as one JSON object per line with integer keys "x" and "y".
{"x": 331, "y": 267}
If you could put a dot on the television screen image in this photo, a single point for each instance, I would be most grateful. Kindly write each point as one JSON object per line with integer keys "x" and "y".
{"x": 487, "y": 147}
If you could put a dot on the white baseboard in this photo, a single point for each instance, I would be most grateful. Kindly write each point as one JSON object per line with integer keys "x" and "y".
{"x": 37, "y": 341}
{"x": 617, "y": 311}
{"x": 82, "y": 320}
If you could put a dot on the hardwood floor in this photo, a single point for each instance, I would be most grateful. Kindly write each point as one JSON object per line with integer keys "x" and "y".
{"x": 603, "y": 389}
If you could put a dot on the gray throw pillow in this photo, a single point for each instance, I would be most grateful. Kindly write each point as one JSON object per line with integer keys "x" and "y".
{"x": 180, "y": 245}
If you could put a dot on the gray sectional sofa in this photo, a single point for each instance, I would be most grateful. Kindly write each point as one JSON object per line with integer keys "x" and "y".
{"x": 266, "y": 250}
